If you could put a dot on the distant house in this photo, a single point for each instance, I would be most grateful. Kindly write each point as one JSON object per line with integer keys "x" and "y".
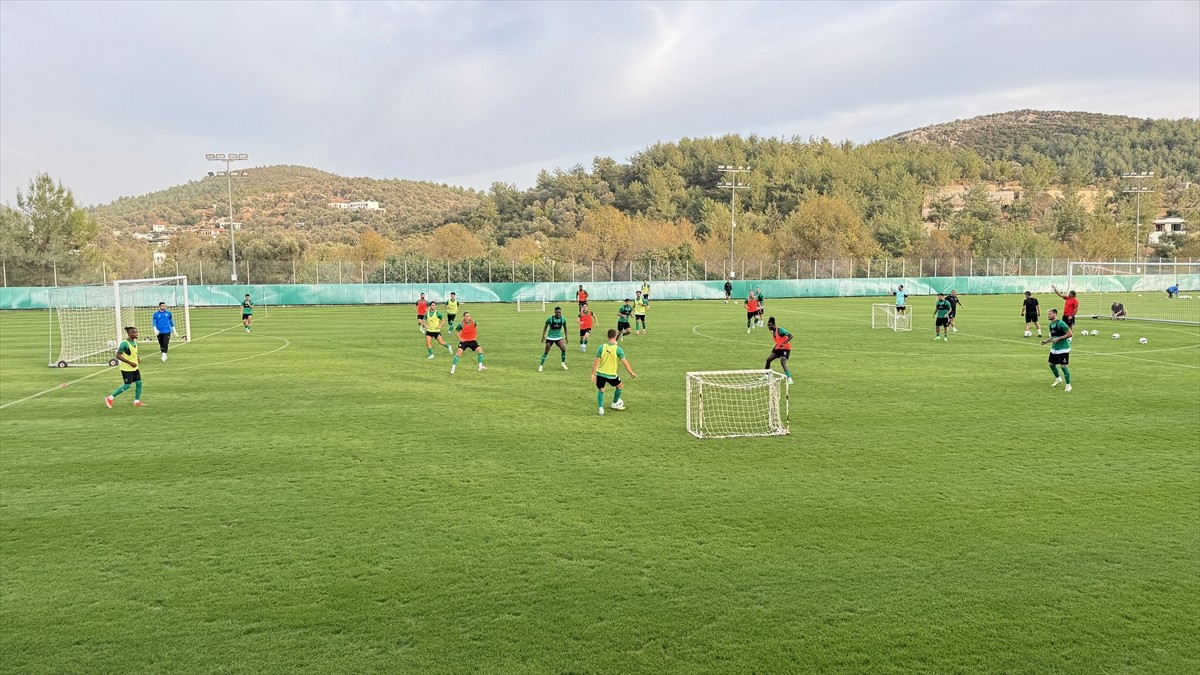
{"x": 1167, "y": 226}
{"x": 356, "y": 206}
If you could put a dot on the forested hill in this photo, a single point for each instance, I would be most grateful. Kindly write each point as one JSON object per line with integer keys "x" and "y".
{"x": 275, "y": 196}
{"x": 1106, "y": 145}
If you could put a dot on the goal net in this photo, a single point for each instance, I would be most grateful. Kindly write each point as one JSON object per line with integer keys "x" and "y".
{"x": 90, "y": 320}
{"x": 732, "y": 403}
{"x": 531, "y": 302}
{"x": 884, "y": 315}
{"x": 1138, "y": 289}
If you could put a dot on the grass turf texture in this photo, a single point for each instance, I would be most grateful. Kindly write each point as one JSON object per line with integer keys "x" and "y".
{"x": 317, "y": 495}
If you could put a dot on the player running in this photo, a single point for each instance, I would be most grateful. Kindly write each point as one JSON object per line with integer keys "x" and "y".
{"x": 751, "y": 310}
{"x": 728, "y": 290}
{"x": 1029, "y": 307}
{"x": 554, "y": 332}
{"x": 581, "y": 297}
{"x": 466, "y": 340}
{"x": 941, "y": 323}
{"x": 762, "y": 306}
{"x": 433, "y": 329}
{"x": 586, "y": 318}
{"x": 623, "y": 314}
{"x": 640, "y": 304}
{"x": 247, "y": 312}
{"x": 164, "y": 325}
{"x": 782, "y": 349}
{"x": 128, "y": 362}
{"x": 1060, "y": 351}
{"x": 422, "y": 309}
{"x": 604, "y": 371}
{"x": 646, "y": 290}
{"x": 451, "y": 310}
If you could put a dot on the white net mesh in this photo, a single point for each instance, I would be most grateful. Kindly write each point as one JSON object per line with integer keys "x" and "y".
{"x": 88, "y": 327}
{"x": 1136, "y": 291}
{"x": 885, "y": 316}
{"x": 732, "y": 403}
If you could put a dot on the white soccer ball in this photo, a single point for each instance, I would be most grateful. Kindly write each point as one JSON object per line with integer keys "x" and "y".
{"x": 1028, "y": 333}
{"x": 1116, "y": 336}
{"x": 1095, "y": 332}
{"x": 1142, "y": 341}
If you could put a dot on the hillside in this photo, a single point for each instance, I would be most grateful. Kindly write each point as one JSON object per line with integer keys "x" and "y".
{"x": 291, "y": 196}
{"x": 1105, "y": 145}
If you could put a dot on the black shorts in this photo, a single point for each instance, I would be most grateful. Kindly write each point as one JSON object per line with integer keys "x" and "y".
{"x": 622, "y": 325}
{"x": 1063, "y": 359}
{"x": 639, "y": 317}
{"x": 942, "y": 321}
{"x": 131, "y": 376}
{"x": 751, "y": 315}
{"x": 781, "y": 353}
{"x": 1069, "y": 320}
{"x": 450, "y": 318}
{"x": 602, "y": 380}
{"x": 952, "y": 313}
{"x": 246, "y": 316}
{"x": 420, "y": 317}
{"x": 469, "y": 344}
{"x": 432, "y": 334}
{"x": 1031, "y": 318}
{"x": 901, "y": 308}
{"x": 583, "y": 332}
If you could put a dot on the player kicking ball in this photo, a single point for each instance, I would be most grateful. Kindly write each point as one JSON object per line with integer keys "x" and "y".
{"x": 604, "y": 371}
{"x": 782, "y": 349}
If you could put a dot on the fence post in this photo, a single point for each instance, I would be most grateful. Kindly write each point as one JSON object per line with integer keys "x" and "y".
{"x": 318, "y": 272}
{"x": 1019, "y": 261}
{"x": 706, "y": 269}
{"x": 362, "y": 278}
{"x": 469, "y": 266}
{"x": 954, "y": 266}
{"x": 904, "y": 267}
{"x": 489, "y": 271}
{"x": 935, "y": 266}
{"x": 592, "y": 273}
{"x": 886, "y": 263}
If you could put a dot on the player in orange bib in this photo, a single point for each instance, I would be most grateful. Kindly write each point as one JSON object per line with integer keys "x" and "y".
{"x": 466, "y": 340}
{"x": 422, "y": 309}
{"x": 782, "y": 349}
{"x": 751, "y": 310}
{"x": 581, "y": 297}
{"x": 585, "y": 325}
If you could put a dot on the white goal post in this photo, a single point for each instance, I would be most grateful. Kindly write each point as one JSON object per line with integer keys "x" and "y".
{"x": 530, "y": 302}
{"x": 736, "y": 403}
{"x": 91, "y": 319}
{"x": 1139, "y": 288}
{"x": 884, "y": 315}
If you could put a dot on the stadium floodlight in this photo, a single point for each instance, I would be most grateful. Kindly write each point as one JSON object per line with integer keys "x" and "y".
{"x": 231, "y": 157}
{"x": 733, "y": 186}
{"x": 1137, "y": 235}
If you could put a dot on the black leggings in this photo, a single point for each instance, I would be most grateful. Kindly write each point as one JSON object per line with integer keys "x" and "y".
{"x": 164, "y": 339}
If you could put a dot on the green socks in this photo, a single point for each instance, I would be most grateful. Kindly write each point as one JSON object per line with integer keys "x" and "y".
{"x": 120, "y": 390}
{"x": 1054, "y": 369}
{"x": 137, "y": 390}
{"x": 600, "y": 397}
{"x": 429, "y": 350}
{"x": 455, "y": 361}
{"x": 543, "y": 358}
{"x": 564, "y": 357}
{"x": 616, "y": 395}
{"x": 1066, "y": 375}
{"x": 478, "y": 357}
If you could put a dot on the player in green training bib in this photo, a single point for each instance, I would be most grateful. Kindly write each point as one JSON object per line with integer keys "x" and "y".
{"x": 604, "y": 371}
{"x": 128, "y": 362}
{"x": 941, "y": 323}
{"x": 554, "y": 332}
{"x": 640, "y": 305}
{"x": 451, "y": 310}
{"x": 433, "y": 330}
{"x": 1060, "y": 349}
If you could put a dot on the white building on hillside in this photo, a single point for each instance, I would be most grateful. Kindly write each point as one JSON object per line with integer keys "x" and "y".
{"x": 1167, "y": 226}
{"x": 357, "y": 206}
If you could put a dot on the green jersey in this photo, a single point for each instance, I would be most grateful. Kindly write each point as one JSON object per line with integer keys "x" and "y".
{"x": 557, "y": 330}
{"x": 1060, "y": 344}
{"x": 623, "y": 313}
{"x": 610, "y": 355}
{"x": 943, "y": 308}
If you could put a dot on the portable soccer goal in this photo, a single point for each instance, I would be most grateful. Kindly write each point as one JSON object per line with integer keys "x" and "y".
{"x": 884, "y": 315}
{"x": 531, "y": 302}
{"x": 1140, "y": 288}
{"x": 734, "y": 403}
{"x": 91, "y": 320}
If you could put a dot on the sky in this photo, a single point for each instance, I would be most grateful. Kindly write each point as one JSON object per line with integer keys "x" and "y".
{"x": 124, "y": 98}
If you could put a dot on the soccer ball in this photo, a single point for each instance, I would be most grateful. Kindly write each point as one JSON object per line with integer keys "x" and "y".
{"x": 1095, "y": 332}
{"x": 1142, "y": 341}
{"x": 1116, "y": 336}
{"x": 1028, "y": 333}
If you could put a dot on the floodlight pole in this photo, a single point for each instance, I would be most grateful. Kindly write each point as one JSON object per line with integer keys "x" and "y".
{"x": 733, "y": 186}
{"x": 228, "y": 159}
{"x": 1137, "y": 236}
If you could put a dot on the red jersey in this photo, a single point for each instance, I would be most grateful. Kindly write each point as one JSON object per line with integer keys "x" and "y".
{"x": 1070, "y": 306}
{"x": 752, "y": 304}
{"x": 585, "y": 321}
{"x": 422, "y": 306}
{"x": 783, "y": 339}
{"x": 467, "y": 334}
{"x": 581, "y": 296}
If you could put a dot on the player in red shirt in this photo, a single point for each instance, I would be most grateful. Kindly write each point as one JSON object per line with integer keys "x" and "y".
{"x": 751, "y": 310}
{"x": 1070, "y": 306}
{"x": 581, "y": 297}
{"x": 466, "y": 340}
{"x": 585, "y": 324}
{"x": 422, "y": 308}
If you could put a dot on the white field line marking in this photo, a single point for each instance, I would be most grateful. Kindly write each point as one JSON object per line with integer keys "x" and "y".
{"x": 105, "y": 369}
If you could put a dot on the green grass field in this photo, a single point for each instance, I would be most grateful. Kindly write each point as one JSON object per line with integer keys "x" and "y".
{"x": 317, "y": 495}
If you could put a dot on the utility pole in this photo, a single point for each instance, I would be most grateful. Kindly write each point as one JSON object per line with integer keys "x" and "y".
{"x": 733, "y": 186}
{"x": 1138, "y": 190}
{"x": 228, "y": 159}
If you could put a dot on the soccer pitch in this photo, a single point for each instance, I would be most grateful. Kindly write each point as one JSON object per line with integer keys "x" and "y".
{"x": 318, "y": 496}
